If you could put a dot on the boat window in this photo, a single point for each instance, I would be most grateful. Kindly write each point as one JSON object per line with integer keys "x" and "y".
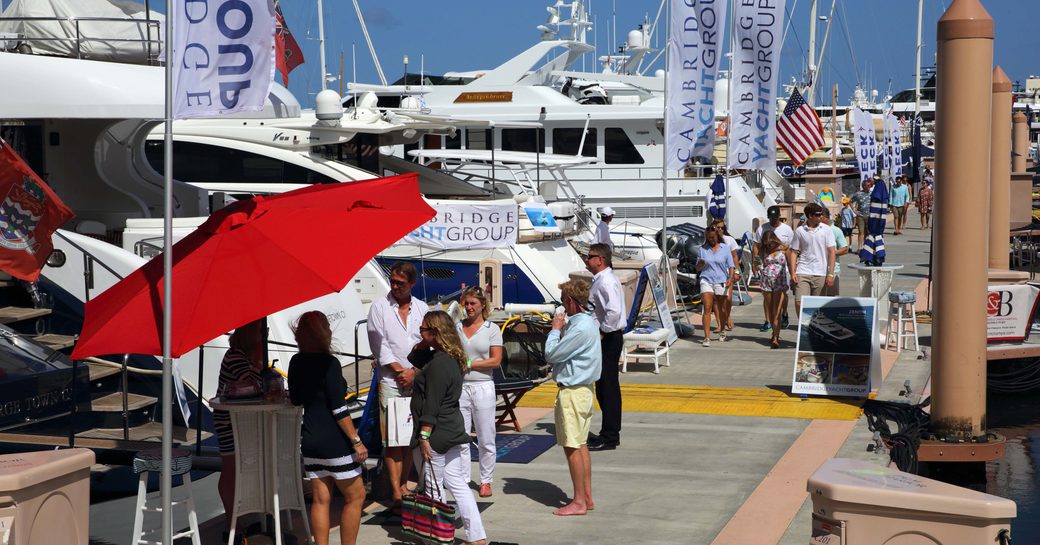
{"x": 203, "y": 163}
{"x": 619, "y": 149}
{"x": 529, "y": 140}
{"x": 478, "y": 139}
{"x": 566, "y": 141}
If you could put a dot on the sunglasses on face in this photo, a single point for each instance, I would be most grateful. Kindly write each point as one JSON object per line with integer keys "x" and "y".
{"x": 398, "y": 283}
{"x": 589, "y": 257}
{"x": 816, "y": 214}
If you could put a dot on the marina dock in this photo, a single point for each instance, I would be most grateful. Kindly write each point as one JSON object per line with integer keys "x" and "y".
{"x": 700, "y": 462}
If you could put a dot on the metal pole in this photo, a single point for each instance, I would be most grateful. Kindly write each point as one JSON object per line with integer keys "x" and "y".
{"x": 964, "y": 91}
{"x": 166, "y": 473}
{"x": 664, "y": 148}
{"x": 812, "y": 48}
{"x": 834, "y": 130}
{"x": 917, "y": 76}
{"x": 321, "y": 43}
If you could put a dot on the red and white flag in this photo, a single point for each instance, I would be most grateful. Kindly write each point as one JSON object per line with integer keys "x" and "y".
{"x": 799, "y": 129}
{"x": 287, "y": 53}
{"x": 29, "y": 213}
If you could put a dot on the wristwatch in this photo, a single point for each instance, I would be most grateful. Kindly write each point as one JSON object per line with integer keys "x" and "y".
{"x": 357, "y": 441}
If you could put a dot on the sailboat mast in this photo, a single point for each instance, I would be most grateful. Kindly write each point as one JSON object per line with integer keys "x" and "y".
{"x": 321, "y": 44}
{"x": 917, "y": 77}
{"x": 812, "y": 49}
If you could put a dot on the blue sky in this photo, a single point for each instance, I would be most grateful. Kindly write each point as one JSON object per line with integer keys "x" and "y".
{"x": 476, "y": 34}
{"x": 480, "y": 34}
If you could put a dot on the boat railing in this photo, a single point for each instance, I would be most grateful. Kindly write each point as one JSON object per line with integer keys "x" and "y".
{"x": 151, "y": 46}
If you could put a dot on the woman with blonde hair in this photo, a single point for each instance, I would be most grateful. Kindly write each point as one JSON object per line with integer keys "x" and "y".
{"x": 440, "y": 432}
{"x": 332, "y": 450}
{"x": 774, "y": 283}
{"x": 482, "y": 341}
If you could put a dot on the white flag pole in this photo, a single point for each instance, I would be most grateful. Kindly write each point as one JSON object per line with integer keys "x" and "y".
{"x": 664, "y": 148}
{"x": 166, "y": 473}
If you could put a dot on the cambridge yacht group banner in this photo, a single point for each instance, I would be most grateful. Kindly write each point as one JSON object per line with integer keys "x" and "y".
{"x": 694, "y": 54}
{"x": 468, "y": 225}
{"x": 223, "y": 56}
{"x": 759, "y": 28}
{"x": 893, "y": 146}
{"x": 866, "y": 143}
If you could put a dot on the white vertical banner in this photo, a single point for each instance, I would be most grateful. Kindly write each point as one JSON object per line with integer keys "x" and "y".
{"x": 866, "y": 143}
{"x": 756, "y": 69}
{"x": 696, "y": 34}
{"x": 223, "y": 56}
{"x": 885, "y": 147}
{"x": 896, "y": 144}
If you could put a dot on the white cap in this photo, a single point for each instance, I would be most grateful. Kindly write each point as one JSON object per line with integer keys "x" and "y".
{"x": 606, "y": 211}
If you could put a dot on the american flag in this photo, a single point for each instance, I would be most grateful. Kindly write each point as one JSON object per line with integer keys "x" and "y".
{"x": 799, "y": 129}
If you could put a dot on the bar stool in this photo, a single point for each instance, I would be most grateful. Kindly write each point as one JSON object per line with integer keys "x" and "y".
{"x": 150, "y": 461}
{"x": 902, "y": 316}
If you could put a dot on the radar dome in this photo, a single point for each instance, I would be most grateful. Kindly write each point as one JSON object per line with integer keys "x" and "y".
{"x": 636, "y": 39}
{"x": 327, "y": 105}
{"x": 410, "y": 103}
{"x": 659, "y": 73}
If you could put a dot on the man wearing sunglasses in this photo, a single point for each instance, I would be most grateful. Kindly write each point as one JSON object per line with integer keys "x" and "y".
{"x": 393, "y": 327}
{"x": 608, "y": 306}
{"x": 811, "y": 256}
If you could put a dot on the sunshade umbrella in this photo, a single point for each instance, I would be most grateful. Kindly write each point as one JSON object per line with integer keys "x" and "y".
{"x": 253, "y": 258}
{"x": 873, "y": 250}
{"x": 717, "y": 208}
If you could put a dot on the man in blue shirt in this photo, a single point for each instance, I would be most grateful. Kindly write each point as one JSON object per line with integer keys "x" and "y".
{"x": 898, "y": 201}
{"x": 573, "y": 349}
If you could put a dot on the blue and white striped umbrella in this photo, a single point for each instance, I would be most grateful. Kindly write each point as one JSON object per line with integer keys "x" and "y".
{"x": 873, "y": 251}
{"x": 717, "y": 208}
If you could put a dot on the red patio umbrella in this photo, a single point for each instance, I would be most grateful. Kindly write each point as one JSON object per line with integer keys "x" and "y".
{"x": 251, "y": 259}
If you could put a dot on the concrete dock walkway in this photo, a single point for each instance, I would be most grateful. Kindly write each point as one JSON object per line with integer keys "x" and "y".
{"x": 691, "y": 476}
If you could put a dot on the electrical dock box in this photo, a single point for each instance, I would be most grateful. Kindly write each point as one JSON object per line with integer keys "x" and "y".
{"x": 45, "y": 497}
{"x": 859, "y": 503}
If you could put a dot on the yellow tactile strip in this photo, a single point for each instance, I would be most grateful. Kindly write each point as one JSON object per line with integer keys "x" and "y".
{"x": 667, "y": 398}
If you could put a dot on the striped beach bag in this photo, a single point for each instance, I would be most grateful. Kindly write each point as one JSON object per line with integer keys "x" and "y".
{"x": 428, "y": 519}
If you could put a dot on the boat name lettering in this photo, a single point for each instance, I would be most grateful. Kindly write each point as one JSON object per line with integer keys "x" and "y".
{"x": 334, "y": 316}
{"x": 498, "y": 96}
{"x": 10, "y": 408}
{"x": 47, "y": 399}
{"x": 234, "y": 21}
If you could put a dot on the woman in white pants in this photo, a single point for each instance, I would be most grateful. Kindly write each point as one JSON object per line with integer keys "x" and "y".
{"x": 483, "y": 343}
{"x": 441, "y": 444}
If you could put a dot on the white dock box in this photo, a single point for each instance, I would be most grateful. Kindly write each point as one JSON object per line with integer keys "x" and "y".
{"x": 45, "y": 497}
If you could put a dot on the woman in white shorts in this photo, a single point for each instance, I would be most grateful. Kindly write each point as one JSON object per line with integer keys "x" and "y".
{"x": 482, "y": 341}
{"x": 715, "y": 265}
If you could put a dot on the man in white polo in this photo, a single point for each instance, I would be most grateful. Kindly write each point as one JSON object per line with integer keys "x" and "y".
{"x": 811, "y": 256}
{"x": 603, "y": 229}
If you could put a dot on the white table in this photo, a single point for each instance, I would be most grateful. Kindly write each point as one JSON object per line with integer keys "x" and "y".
{"x": 268, "y": 475}
{"x": 876, "y": 282}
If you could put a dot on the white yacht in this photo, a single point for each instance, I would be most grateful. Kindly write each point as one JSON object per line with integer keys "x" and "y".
{"x": 542, "y": 106}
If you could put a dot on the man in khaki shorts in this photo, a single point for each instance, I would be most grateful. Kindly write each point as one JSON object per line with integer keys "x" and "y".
{"x": 573, "y": 349}
{"x": 811, "y": 256}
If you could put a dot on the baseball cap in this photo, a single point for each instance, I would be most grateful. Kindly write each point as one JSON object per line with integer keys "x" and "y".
{"x": 773, "y": 212}
{"x": 606, "y": 211}
{"x": 845, "y": 200}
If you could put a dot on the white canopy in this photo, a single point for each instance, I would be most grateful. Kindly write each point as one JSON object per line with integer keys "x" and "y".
{"x": 72, "y": 24}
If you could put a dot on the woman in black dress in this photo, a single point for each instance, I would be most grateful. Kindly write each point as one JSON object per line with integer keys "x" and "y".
{"x": 332, "y": 451}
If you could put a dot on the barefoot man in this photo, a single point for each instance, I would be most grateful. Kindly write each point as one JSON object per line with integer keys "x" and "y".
{"x": 573, "y": 349}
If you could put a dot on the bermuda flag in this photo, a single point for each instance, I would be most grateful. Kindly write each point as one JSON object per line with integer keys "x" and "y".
{"x": 799, "y": 129}
{"x": 29, "y": 214}
{"x": 287, "y": 54}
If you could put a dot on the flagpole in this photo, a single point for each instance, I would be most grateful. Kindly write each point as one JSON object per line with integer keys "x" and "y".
{"x": 166, "y": 473}
{"x": 834, "y": 130}
{"x": 664, "y": 148}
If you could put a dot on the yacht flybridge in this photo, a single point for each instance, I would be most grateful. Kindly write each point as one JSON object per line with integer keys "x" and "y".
{"x": 611, "y": 122}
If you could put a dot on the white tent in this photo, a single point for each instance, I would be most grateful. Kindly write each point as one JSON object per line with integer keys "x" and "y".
{"x": 71, "y": 28}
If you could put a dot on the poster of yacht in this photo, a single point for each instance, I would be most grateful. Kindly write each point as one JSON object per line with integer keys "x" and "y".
{"x": 661, "y": 301}
{"x": 837, "y": 351}
{"x": 1009, "y": 311}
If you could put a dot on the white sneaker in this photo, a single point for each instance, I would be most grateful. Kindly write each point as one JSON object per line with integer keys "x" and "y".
{"x": 706, "y": 342}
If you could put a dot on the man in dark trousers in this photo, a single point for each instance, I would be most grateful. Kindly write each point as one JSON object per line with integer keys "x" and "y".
{"x": 608, "y": 306}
